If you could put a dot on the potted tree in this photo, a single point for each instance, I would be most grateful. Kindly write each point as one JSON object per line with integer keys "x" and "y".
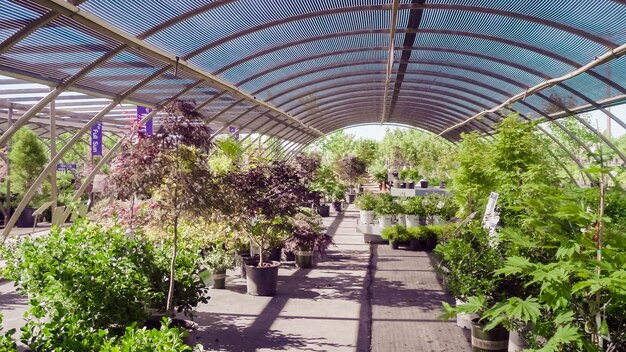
{"x": 262, "y": 197}
{"x": 323, "y": 184}
{"x": 418, "y": 238}
{"x": 27, "y": 159}
{"x": 170, "y": 167}
{"x": 366, "y": 202}
{"x": 349, "y": 170}
{"x": 307, "y": 236}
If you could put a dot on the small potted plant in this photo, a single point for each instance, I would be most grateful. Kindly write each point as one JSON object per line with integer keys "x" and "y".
{"x": 395, "y": 234}
{"x": 366, "y": 202}
{"x": 414, "y": 209}
{"x": 418, "y": 238}
{"x": 218, "y": 260}
{"x": 385, "y": 209}
{"x": 307, "y": 236}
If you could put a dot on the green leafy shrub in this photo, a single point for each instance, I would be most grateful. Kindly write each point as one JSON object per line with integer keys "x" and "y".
{"x": 415, "y": 206}
{"x": 7, "y": 344}
{"x": 148, "y": 340}
{"x": 87, "y": 278}
{"x": 385, "y": 205}
{"x": 395, "y": 233}
{"x": 419, "y": 232}
{"x": 366, "y": 201}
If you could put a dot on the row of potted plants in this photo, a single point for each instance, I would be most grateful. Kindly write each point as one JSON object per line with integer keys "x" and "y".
{"x": 416, "y": 238}
{"x": 410, "y": 212}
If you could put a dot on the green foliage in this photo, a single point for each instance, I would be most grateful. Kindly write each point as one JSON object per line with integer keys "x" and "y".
{"x": 472, "y": 181}
{"x": 415, "y": 206}
{"x": 28, "y": 158}
{"x": 366, "y": 201}
{"x": 386, "y": 205}
{"x": 420, "y": 232}
{"x": 335, "y": 146}
{"x": 349, "y": 169}
{"x": 7, "y": 344}
{"x": 219, "y": 259}
{"x": 166, "y": 339}
{"x": 326, "y": 182}
{"x": 366, "y": 150}
{"x": 85, "y": 280}
{"x": 427, "y": 154}
{"x": 226, "y": 155}
{"x": 396, "y": 233}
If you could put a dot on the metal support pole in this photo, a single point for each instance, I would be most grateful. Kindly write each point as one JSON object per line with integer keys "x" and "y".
{"x": 54, "y": 192}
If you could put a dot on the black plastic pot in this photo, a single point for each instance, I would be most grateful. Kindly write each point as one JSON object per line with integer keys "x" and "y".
{"x": 262, "y": 281}
{"x": 337, "y": 206}
{"x": 402, "y": 185}
{"x": 417, "y": 244}
{"x": 324, "y": 211}
{"x": 394, "y": 244}
{"x": 431, "y": 243}
{"x": 424, "y": 184}
{"x": 26, "y": 218}
{"x": 304, "y": 258}
{"x": 219, "y": 279}
{"x": 494, "y": 340}
{"x": 442, "y": 184}
{"x": 410, "y": 185}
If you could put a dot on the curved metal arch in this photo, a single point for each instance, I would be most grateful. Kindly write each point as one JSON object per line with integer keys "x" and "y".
{"x": 437, "y": 99}
{"x": 464, "y": 53}
{"x": 374, "y": 99}
{"x": 365, "y": 91}
{"x": 412, "y": 81}
{"x": 428, "y": 109}
{"x": 177, "y": 19}
{"x": 365, "y": 73}
{"x": 525, "y": 46}
{"x": 307, "y": 15}
{"x": 476, "y": 82}
{"x": 348, "y": 107}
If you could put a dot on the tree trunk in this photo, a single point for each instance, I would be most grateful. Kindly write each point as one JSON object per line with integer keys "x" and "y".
{"x": 170, "y": 294}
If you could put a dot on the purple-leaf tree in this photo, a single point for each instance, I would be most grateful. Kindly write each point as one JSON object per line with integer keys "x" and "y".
{"x": 171, "y": 167}
{"x": 261, "y": 198}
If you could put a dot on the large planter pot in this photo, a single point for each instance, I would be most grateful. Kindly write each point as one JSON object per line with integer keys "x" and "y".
{"x": 324, "y": 211}
{"x": 494, "y": 340}
{"x": 262, "y": 281}
{"x": 424, "y": 184}
{"x": 366, "y": 217}
{"x": 304, "y": 258}
{"x": 337, "y": 206}
{"x": 464, "y": 320}
{"x": 402, "y": 184}
{"x": 385, "y": 221}
{"x": 26, "y": 218}
{"x": 394, "y": 244}
{"x": 219, "y": 279}
{"x": 411, "y": 220}
{"x": 350, "y": 198}
{"x": 410, "y": 184}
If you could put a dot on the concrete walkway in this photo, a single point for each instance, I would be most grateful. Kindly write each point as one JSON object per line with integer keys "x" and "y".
{"x": 361, "y": 298}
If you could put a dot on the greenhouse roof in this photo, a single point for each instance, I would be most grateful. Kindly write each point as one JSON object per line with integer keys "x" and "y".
{"x": 301, "y": 69}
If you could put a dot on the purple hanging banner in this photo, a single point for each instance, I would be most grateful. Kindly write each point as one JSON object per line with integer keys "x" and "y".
{"x": 141, "y": 112}
{"x": 96, "y": 139}
{"x": 233, "y": 132}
